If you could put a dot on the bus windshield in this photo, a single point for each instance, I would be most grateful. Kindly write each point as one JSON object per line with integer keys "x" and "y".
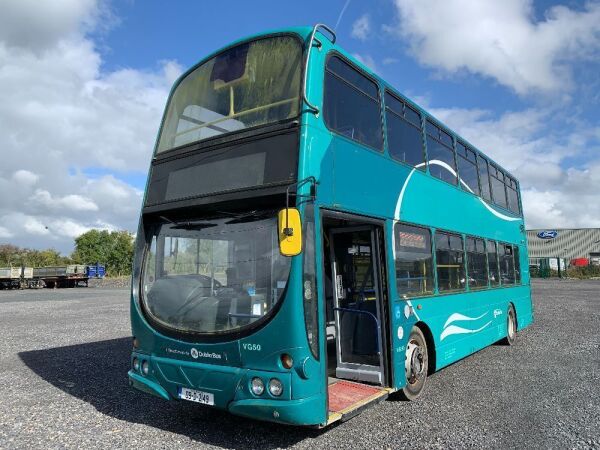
{"x": 216, "y": 275}
{"x": 251, "y": 84}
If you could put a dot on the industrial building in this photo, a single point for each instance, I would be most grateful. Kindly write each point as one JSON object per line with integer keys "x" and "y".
{"x": 574, "y": 246}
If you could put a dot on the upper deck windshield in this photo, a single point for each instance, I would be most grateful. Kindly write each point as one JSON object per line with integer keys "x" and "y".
{"x": 251, "y": 84}
{"x": 216, "y": 275}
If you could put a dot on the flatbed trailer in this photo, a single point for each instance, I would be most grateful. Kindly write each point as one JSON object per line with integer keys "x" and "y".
{"x": 10, "y": 277}
{"x": 61, "y": 276}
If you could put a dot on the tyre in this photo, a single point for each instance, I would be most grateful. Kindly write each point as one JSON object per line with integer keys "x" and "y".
{"x": 511, "y": 326}
{"x": 415, "y": 365}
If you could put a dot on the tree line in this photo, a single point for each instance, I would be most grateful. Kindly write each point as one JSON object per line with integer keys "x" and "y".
{"x": 114, "y": 249}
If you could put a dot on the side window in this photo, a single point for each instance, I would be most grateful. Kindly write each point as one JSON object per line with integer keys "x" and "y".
{"x": 484, "y": 177}
{"x": 467, "y": 168}
{"x": 517, "y": 264}
{"x": 440, "y": 153}
{"x": 351, "y": 104}
{"x": 414, "y": 265}
{"x": 507, "y": 263}
{"x": 449, "y": 261}
{"x": 498, "y": 193}
{"x": 476, "y": 263}
{"x": 512, "y": 195}
{"x": 405, "y": 140}
{"x": 493, "y": 263}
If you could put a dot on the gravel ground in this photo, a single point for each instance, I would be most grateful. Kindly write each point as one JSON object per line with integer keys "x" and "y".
{"x": 65, "y": 354}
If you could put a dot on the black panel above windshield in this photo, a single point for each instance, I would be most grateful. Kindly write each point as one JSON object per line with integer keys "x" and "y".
{"x": 251, "y": 84}
{"x": 268, "y": 161}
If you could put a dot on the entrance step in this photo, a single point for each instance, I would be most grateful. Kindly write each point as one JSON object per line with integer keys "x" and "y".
{"x": 346, "y": 399}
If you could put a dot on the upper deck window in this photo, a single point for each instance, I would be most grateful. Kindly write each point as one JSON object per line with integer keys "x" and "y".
{"x": 351, "y": 104}
{"x": 484, "y": 177}
{"x": 498, "y": 191}
{"x": 512, "y": 194}
{"x": 440, "y": 153}
{"x": 405, "y": 141}
{"x": 467, "y": 167}
{"x": 251, "y": 84}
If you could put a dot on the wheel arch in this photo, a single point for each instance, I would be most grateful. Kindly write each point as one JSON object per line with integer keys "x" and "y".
{"x": 514, "y": 307}
{"x": 431, "y": 353}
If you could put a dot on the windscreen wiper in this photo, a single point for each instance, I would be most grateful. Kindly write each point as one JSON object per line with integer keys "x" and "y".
{"x": 189, "y": 224}
{"x": 193, "y": 225}
{"x": 249, "y": 217}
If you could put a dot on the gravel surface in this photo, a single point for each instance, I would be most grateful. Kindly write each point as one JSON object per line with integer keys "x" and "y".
{"x": 65, "y": 354}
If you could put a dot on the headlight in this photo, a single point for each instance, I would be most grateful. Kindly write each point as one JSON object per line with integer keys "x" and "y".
{"x": 136, "y": 364}
{"x": 257, "y": 385}
{"x": 145, "y": 367}
{"x": 275, "y": 387}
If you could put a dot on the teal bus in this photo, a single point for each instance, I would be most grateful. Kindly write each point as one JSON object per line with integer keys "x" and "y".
{"x": 312, "y": 241}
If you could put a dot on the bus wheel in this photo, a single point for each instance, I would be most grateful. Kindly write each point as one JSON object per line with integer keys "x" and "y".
{"x": 415, "y": 365}
{"x": 511, "y": 326}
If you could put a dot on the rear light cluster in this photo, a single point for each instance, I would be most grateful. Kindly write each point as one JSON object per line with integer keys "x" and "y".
{"x": 144, "y": 365}
{"x": 257, "y": 386}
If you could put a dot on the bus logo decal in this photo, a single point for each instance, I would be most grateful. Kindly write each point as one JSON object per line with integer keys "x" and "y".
{"x": 547, "y": 234}
{"x": 450, "y": 329}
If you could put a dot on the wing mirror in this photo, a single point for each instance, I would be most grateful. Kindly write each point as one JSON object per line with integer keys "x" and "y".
{"x": 290, "y": 232}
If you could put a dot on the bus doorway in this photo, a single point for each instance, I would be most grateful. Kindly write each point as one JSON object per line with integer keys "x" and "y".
{"x": 355, "y": 301}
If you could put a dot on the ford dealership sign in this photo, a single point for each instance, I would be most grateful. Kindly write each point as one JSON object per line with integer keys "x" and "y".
{"x": 547, "y": 234}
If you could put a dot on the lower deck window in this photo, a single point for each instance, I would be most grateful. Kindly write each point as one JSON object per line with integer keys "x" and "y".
{"x": 493, "y": 263}
{"x": 507, "y": 263}
{"x": 517, "y": 265}
{"x": 477, "y": 263}
{"x": 414, "y": 271}
{"x": 449, "y": 261}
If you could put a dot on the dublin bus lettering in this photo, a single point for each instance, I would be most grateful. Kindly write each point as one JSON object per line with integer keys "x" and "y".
{"x": 332, "y": 240}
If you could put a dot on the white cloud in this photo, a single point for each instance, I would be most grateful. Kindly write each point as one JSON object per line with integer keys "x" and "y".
{"x": 25, "y": 177}
{"x": 61, "y": 114}
{"x": 4, "y": 233}
{"x": 34, "y": 226}
{"x": 501, "y": 40}
{"x": 39, "y": 25}
{"x": 361, "y": 27}
{"x": 68, "y": 228}
{"x": 72, "y": 202}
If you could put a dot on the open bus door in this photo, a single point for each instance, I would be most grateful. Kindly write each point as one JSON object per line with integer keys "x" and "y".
{"x": 356, "y": 305}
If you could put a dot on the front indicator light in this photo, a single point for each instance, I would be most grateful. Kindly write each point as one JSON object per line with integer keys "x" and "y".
{"x": 275, "y": 387}
{"x": 136, "y": 364}
{"x": 145, "y": 367}
{"x": 287, "y": 361}
{"x": 257, "y": 386}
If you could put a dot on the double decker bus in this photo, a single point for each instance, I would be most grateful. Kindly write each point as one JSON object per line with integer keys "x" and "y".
{"x": 312, "y": 241}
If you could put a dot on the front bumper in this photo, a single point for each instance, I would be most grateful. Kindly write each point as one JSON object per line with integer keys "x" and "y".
{"x": 231, "y": 389}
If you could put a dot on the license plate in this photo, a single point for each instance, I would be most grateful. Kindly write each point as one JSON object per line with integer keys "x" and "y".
{"x": 206, "y": 398}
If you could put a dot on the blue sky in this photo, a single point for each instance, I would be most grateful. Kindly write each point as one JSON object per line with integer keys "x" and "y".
{"x": 84, "y": 83}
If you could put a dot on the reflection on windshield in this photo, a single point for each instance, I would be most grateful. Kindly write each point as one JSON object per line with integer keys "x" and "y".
{"x": 214, "y": 276}
{"x": 248, "y": 85}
